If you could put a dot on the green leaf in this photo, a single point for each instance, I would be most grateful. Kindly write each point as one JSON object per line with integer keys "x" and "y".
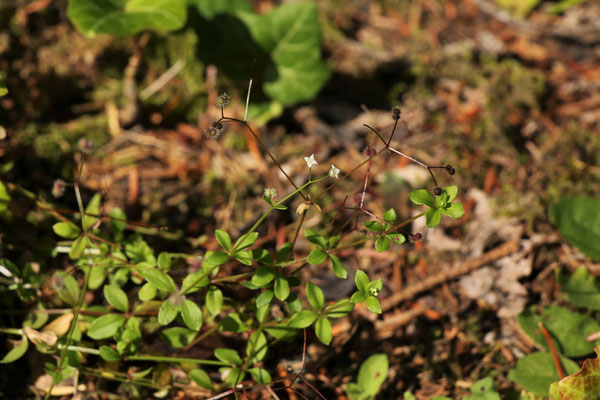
{"x": 178, "y": 336}
{"x": 16, "y": 352}
{"x": 216, "y": 257}
{"x": 283, "y": 254}
{"x": 262, "y": 256}
{"x": 223, "y": 239}
{"x": 126, "y": 17}
{"x": 520, "y": 8}
{"x": 109, "y": 354}
{"x": 245, "y": 241}
{"x": 228, "y": 356}
{"x": 421, "y": 196}
{"x": 372, "y": 373}
{"x": 116, "y": 297}
{"x": 567, "y": 328}
{"x": 66, "y": 230}
{"x": 338, "y": 268}
{"x": 233, "y": 323}
{"x": 264, "y": 298}
{"x": 581, "y": 386}
{"x": 578, "y": 220}
{"x": 78, "y": 247}
{"x": 211, "y": 8}
{"x": 282, "y": 287}
{"x": 535, "y": 372}
{"x": 93, "y": 209}
{"x": 191, "y": 314}
{"x": 302, "y": 319}
{"x": 358, "y": 297}
{"x": 168, "y": 311}
{"x": 361, "y": 280}
{"x": 201, "y": 378}
{"x": 433, "y": 217}
{"x": 164, "y": 261}
{"x": 323, "y": 330}
{"x": 315, "y": 238}
{"x": 355, "y": 392}
{"x": 582, "y": 288}
{"x": 454, "y": 210}
{"x": 97, "y": 277}
{"x": 390, "y": 216}
{"x": 317, "y": 256}
{"x": 257, "y": 347}
{"x": 340, "y": 308}
{"x": 315, "y": 296}
{"x": 117, "y": 221}
{"x": 281, "y": 332}
{"x": 291, "y": 35}
{"x": 214, "y": 300}
{"x": 263, "y": 276}
{"x": 233, "y": 376}
{"x": 245, "y": 257}
{"x": 105, "y": 326}
{"x": 397, "y": 238}
{"x": 66, "y": 287}
{"x": 159, "y": 279}
{"x": 197, "y": 279}
{"x": 374, "y": 226}
{"x": 147, "y": 292}
{"x": 484, "y": 389}
{"x": 382, "y": 244}
{"x": 260, "y": 375}
{"x": 373, "y": 305}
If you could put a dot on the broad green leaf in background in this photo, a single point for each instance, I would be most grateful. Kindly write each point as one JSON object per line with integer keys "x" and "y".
{"x": 93, "y": 209}
{"x": 578, "y": 220}
{"x": 214, "y": 300}
{"x": 117, "y": 222}
{"x": 535, "y": 372}
{"x": 4, "y": 197}
{"x": 285, "y": 50}
{"x": 257, "y": 347}
{"x": 568, "y": 329}
{"x": 483, "y": 389}
{"x": 581, "y": 287}
{"x": 109, "y": 354}
{"x": 580, "y": 386}
{"x": 211, "y": 8}
{"x": 126, "y": 17}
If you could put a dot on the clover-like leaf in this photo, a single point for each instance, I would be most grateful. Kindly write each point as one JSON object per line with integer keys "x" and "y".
{"x": 191, "y": 314}
{"x": 433, "y": 217}
{"x": 158, "y": 278}
{"x": 116, "y": 297}
{"x": 214, "y": 300}
{"x": 361, "y": 279}
{"x": 390, "y": 216}
{"x": 282, "y": 287}
{"x": 382, "y": 244}
{"x": 454, "y": 210}
{"x": 66, "y": 230}
{"x": 338, "y": 268}
{"x": 223, "y": 239}
{"x": 373, "y": 305}
{"x": 228, "y": 355}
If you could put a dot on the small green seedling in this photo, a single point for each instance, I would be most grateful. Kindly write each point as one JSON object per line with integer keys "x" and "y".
{"x": 371, "y": 375}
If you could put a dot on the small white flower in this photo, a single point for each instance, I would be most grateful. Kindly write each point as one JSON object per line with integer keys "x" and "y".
{"x": 310, "y": 161}
{"x": 270, "y": 193}
{"x": 334, "y": 172}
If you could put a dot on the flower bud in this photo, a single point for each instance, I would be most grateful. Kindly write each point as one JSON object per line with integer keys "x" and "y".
{"x": 396, "y": 114}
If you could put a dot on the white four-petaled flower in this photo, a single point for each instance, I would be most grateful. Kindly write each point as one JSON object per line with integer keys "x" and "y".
{"x": 310, "y": 161}
{"x": 334, "y": 172}
{"x": 270, "y": 193}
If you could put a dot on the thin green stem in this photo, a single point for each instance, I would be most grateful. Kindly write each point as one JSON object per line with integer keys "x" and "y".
{"x": 12, "y": 331}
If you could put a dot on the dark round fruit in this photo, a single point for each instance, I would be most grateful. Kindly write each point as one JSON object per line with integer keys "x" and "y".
{"x": 437, "y": 190}
{"x": 449, "y": 169}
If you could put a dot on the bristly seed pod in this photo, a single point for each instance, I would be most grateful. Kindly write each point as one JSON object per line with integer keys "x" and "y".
{"x": 437, "y": 191}
{"x": 396, "y": 114}
{"x": 218, "y": 127}
{"x": 449, "y": 169}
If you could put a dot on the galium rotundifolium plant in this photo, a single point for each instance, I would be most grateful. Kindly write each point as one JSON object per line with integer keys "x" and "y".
{"x": 137, "y": 292}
